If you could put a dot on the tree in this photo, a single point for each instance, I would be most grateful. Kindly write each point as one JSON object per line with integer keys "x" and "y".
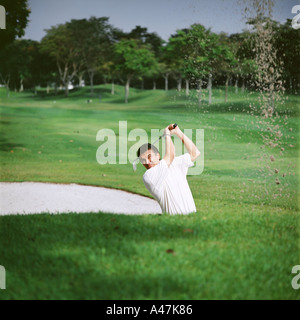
{"x": 24, "y": 56}
{"x": 6, "y": 66}
{"x": 201, "y": 61}
{"x": 174, "y": 55}
{"x": 109, "y": 69}
{"x": 44, "y": 71}
{"x": 165, "y": 68}
{"x": 215, "y": 53}
{"x": 196, "y": 60}
{"x": 154, "y": 42}
{"x": 60, "y": 42}
{"x": 93, "y": 40}
{"x": 245, "y": 57}
{"x": 133, "y": 59}
{"x": 287, "y": 42}
{"x": 227, "y": 60}
{"x": 22, "y": 65}
{"x": 152, "y": 39}
{"x": 16, "y": 63}
{"x": 17, "y": 13}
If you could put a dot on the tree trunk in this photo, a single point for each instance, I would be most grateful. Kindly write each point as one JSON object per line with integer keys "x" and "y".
{"x": 187, "y": 87}
{"x": 154, "y": 85}
{"x": 21, "y": 85}
{"x": 209, "y": 89}
{"x": 142, "y": 84}
{"x": 226, "y": 89}
{"x": 68, "y": 81}
{"x": 91, "y": 74}
{"x": 166, "y": 82}
{"x": 127, "y": 88}
{"x": 179, "y": 84}
{"x": 48, "y": 89}
{"x": 237, "y": 85}
{"x": 243, "y": 85}
{"x": 67, "y": 89}
{"x": 7, "y": 88}
{"x": 112, "y": 88}
{"x": 80, "y": 80}
{"x": 199, "y": 93}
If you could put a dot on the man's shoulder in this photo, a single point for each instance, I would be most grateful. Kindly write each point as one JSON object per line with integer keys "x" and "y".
{"x": 155, "y": 170}
{"x": 183, "y": 161}
{"x": 183, "y": 158}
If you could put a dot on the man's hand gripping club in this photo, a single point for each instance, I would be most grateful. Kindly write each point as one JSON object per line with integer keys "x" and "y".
{"x": 170, "y": 149}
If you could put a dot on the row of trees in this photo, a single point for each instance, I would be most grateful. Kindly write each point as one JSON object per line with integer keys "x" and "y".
{"x": 89, "y": 48}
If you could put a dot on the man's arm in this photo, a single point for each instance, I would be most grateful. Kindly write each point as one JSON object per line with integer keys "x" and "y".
{"x": 188, "y": 143}
{"x": 170, "y": 149}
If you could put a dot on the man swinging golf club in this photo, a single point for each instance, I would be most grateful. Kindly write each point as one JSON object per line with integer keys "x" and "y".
{"x": 166, "y": 178}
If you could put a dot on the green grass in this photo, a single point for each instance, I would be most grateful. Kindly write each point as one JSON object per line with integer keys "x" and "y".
{"x": 245, "y": 235}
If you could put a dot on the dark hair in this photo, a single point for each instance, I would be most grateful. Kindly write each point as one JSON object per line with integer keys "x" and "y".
{"x": 145, "y": 147}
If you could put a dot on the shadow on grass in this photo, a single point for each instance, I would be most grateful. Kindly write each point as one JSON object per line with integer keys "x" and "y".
{"x": 5, "y": 143}
{"x": 81, "y": 256}
{"x": 74, "y": 94}
{"x": 104, "y": 256}
{"x": 132, "y": 99}
{"x": 232, "y": 107}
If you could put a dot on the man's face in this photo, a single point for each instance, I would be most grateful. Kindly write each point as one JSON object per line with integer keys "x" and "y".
{"x": 149, "y": 159}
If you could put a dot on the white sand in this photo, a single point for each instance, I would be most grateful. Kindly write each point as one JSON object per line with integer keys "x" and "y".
{"x": 35, "y": 198}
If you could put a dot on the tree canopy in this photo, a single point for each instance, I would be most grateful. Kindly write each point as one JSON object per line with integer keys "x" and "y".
{"x": 17, "y": 14}
{"x": 94, "y": 50}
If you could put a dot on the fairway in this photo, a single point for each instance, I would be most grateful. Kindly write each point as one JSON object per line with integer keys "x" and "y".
{"x": 241, "y": 244}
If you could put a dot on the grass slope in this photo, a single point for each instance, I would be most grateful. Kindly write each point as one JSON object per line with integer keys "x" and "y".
{"x": 241, "y": 244}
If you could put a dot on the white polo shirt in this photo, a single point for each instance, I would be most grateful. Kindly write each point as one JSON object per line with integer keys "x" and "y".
{"x": 169, "y": 185}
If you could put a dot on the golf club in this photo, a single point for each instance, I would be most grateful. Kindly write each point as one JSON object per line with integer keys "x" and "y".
{"x": 135, "y": 162}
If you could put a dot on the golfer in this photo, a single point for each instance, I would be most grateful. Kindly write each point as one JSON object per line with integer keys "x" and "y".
{"x": 166, "y": 178}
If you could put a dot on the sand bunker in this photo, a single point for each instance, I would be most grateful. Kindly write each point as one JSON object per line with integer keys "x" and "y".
{"x": 35, "y": 198}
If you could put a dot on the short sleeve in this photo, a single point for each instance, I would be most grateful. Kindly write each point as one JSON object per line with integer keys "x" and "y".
{"x": 184, "y": 162}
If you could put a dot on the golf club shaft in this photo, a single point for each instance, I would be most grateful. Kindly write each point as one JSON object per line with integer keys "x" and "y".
{"x": 170, "y": 128}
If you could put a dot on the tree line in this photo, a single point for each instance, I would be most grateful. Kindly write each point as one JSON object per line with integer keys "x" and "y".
{"x": 94, "y": 51}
